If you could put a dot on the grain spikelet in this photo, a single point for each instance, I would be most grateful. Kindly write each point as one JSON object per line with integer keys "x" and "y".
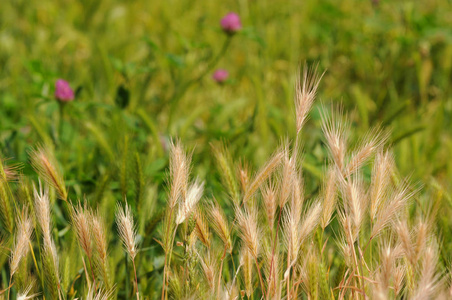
{"x": 45, "y": 164}
{"x": 373, "y": 140}
{"x": 219, "y": 223}
{"x": 24, "y": 294}
{"x": 262, "y": 175}
{"x": 248, "y": 230}
{"x": 21, "y": 244}
{"x": 42, "y": 210}
{"x": 329, "y": 197}
{"x": 335, "y": 131}
{"x": 246, "y": 261}
{"x": 81, "y": 221}
{"x": 101, "y": 248}
{"x": 126, "y": 228}
{"x": 392, "y": 208}
{"x": 310, "y": 221}
{"x": 269, "y": 197}
{"x": 193, "y": 195}
{"x": 355, "y": 204}
{"x": 202, "y": 229}
{"x": 179, "y": 167}
{"x": 287, "y": 178}
{"x": 305, "y": 93}
{"x": 429, "y": 281}
{"x": 382, "y": 169}
{"x": 209, "y": 266}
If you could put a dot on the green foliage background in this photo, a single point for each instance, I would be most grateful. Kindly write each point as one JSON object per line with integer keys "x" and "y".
{"x": 387, "y": 63}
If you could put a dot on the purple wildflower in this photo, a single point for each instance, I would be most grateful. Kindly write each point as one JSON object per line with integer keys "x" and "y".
{"x": 231, "y": 23}
{"x": 220, "y": 75}
{"x": 63, "y": 91}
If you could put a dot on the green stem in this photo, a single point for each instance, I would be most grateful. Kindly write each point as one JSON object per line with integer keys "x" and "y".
{"x": 60, "y": 127}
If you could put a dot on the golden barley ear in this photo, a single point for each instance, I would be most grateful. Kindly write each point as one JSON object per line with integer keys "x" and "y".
{"x": 220, "y": 225}
{"x": 248, "y": 229}
{"x": 305, "y": 93}
{"x": 179, "y": 169}
{"x": 202, "y": 228}
{"x": 335, "y": 129}
{"x": 45, "y": 164}
{"x": 329, "y": 195}
{"x": 193, "y": 195}
{"x": 373, "y": 141}
{"x": 22, "y": 240}
{"x": 101, "y": 248}
{"x": 263, "y": 175}
{"x": 126, "y": 228}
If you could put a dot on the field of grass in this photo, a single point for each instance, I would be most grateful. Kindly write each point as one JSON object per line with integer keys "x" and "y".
{"x": 157, "y": 181}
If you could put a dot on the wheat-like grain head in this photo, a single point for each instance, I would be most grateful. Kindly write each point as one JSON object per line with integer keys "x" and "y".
{"x": 305, "y": 93}
{"x": 248, "y": 229}
{"x": 329, "y": 195}
{"x": 382, "y": 170}
{"x": 81, "y": 219}
{"x": 220, "y": 225}
{"x": 179, "y": 167}
{"x": 335, "y": 130}
{"x": 45, "y": 164}
{"x": 202, "y": 228}
{"x": 194, "y": 194}
{"x": 126, "y": 228}
{"x": 21, "y": 244}
{"x": 42, "y": 210}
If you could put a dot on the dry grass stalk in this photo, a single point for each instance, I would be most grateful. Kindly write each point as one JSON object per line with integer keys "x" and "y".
{"x": 81, "y": 219}
{"x": 269, "y": 196}
{"x": 101, "y": 248}
{"x": 21, "y": 243}
{"x": 24, "y": 294}
{"x": 126, "y": 228}
{"x": 202, "y": 228}
{"x": 429, "y": 282}
{"x": 220, "y": 225}
{"x": 98, "y": 294}
{"x": 287, "y": 178}
{"x": 246, "y": 261}
{"x": 42, "y": 210}
{"x": 248, "y": 230}
{"x": 49, "y": 252}
{"x": 393, "y": 206}
{"x": 310, "y": 221}
{"x": 306, "y": 90}
{"x": 179, "y": 170}
{"x": 335, "y": 131}
{"x": 45, "y": 164}
{"x": 374, "y": 140}
{"x": 193, "y": 195}
{"x": 355, "y": 204}
{"x": 127, "y": 233}
{"x": 263, "y": 175}
{"x": 209, "y": 267}
{"x": 9, "y": 172}
{"x": 329, "y": 197}
{"x": 243, "y": 174}
{"x": 382, "y": 170}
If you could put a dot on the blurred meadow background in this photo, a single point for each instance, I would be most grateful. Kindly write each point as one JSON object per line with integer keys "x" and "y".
{"x": 142, "y": 75}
